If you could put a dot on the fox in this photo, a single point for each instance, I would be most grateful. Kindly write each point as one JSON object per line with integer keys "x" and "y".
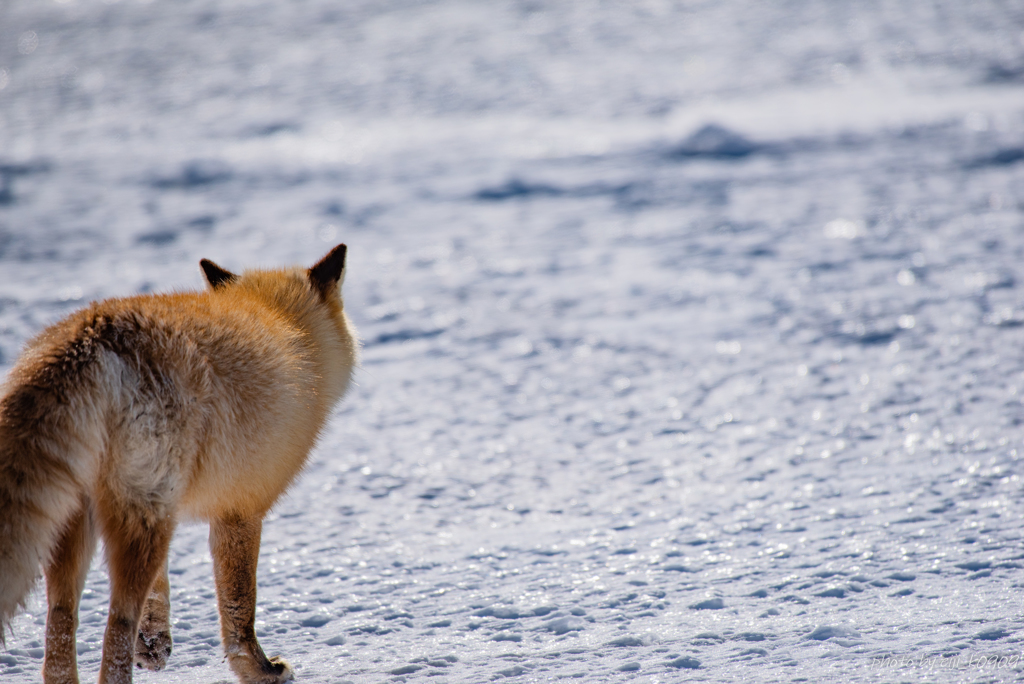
{"x": 135, "y": 413}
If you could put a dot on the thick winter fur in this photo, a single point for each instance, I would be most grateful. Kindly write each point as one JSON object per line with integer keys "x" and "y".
{"x": 135, "y": 413}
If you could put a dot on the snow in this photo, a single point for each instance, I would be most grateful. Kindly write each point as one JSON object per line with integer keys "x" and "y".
{"x": 692, "y": 330}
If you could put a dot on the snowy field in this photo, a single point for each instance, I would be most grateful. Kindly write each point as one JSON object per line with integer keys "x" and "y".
{"x": 693, "y": 332}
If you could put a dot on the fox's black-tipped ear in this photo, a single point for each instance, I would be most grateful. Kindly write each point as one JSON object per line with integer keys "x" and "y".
{"x": 215, "y": 275}
{"x": 327, "y": 272}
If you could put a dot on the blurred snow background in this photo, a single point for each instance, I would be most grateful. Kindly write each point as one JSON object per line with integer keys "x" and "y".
{"x": 692, "y": 330}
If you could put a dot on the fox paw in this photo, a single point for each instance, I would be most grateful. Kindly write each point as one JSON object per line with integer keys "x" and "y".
{"x": 249, "y": 670}
{"x": 282, "y": 671}
{"x": 153, "y": 645}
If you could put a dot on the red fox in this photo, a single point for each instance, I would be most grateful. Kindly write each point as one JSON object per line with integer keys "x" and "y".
{"x": 132, "y": 414}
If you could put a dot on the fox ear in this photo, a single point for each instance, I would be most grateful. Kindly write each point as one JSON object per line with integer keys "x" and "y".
{"x": 326, "y": 273}
{"x": 215, "y": 275}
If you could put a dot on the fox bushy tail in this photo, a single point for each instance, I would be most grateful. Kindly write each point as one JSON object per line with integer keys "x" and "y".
{"x": 41, "y": 484}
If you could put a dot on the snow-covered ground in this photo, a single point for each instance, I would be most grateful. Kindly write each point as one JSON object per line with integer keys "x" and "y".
{"x": 694, "y": 331}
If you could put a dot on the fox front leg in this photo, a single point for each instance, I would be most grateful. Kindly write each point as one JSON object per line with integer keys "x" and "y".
{"x": 235, "y": 547}
{"x": 153, "y": 646}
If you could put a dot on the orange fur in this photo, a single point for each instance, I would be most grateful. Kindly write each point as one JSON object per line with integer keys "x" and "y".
{"x": 134, "y": 413}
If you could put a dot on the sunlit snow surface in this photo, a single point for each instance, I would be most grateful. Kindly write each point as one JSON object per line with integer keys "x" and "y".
{"x": 693, "y": 333}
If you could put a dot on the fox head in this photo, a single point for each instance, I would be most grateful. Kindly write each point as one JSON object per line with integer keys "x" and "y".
{"x": 310, "y": 299}
{"x": 325, "y": 276}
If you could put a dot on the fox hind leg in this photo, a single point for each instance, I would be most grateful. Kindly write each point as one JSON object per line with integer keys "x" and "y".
{"x": 65, "y": 580}
{"x": 235, "y": 547}
{"x": 136, "y": 550}
{"x": 153, "y": 645}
